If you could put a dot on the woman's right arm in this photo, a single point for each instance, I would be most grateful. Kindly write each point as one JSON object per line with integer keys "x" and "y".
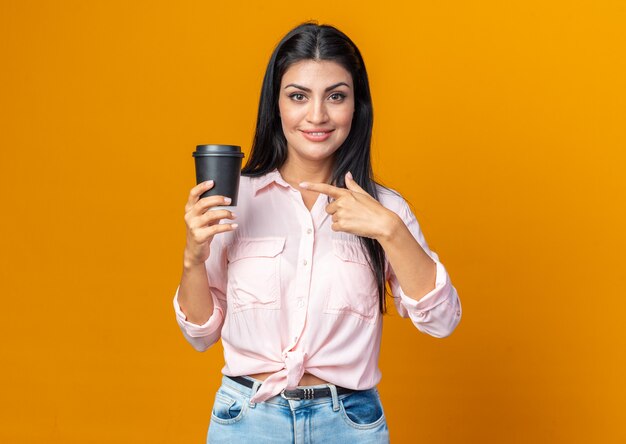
{"x": 198, "y": 303}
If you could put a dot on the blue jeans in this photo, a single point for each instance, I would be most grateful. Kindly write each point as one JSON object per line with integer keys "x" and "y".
{"x": 349, "y": 418}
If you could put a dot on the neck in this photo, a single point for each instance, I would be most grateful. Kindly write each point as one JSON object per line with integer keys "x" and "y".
{"x": 295, "y": 171}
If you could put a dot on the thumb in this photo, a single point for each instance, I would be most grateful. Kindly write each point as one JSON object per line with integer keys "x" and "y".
{"x": 352, "y": 185}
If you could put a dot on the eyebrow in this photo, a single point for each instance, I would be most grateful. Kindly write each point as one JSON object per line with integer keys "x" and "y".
{"x": 309, "y": 90}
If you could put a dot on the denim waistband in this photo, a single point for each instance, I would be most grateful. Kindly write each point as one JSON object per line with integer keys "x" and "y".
{"x": 248, "y": 392}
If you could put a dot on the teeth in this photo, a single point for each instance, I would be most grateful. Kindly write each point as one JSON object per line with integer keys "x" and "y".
{"x": 317, "y": 134}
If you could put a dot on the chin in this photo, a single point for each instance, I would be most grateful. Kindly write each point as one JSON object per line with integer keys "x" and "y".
{"x": 318, "y": 156}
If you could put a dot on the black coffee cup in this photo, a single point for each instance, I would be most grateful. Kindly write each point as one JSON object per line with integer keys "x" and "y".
{"x": 222, "y": 164}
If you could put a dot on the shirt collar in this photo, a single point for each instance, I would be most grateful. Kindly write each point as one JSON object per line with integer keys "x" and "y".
{"x": 263, "y": 181}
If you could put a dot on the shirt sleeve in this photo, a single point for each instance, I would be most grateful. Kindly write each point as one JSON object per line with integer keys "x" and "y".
{"x": 438, "y": 312}
{"x": 201, "y": 337}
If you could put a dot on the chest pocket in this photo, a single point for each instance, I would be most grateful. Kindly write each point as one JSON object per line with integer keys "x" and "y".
{"x": 353, "y": 287}
{"x": 254, "y": 273}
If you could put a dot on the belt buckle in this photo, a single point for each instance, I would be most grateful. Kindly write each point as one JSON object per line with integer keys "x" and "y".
{"x": 282, "y": 393}
{"x": 307, "y": 393}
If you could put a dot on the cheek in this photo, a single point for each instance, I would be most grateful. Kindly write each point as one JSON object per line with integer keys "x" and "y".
{"x": 289, "y": 115}
{"x": 345, "y": 119}
{"x": 345, "y": 115}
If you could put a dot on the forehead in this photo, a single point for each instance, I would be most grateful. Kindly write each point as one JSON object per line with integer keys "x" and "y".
{"x": 312, "y": 73}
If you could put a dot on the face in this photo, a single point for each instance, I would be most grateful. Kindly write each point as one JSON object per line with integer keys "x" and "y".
{"x": 316, "y": 105}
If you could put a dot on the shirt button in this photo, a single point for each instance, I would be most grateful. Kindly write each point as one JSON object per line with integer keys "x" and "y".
{"x": 295, "y": 338}
{"x": 300, "y": 303}
{"x": 304, "y": 262}
{"x": 458, "y": 312}
{"x": 309, "y": 231}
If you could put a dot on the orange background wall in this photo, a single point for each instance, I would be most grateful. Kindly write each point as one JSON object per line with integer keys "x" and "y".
{"x": 501, "y": 122}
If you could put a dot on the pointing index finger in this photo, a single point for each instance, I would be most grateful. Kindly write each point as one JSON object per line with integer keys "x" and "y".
{"x": 324, "y": 188}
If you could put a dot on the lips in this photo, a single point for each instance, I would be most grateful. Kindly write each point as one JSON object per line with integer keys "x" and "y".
{"x": 317, "y": 135}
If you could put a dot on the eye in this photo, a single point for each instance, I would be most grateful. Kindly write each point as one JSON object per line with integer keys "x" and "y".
{"x": 298, "y": 97}
{"x": 337, "y": 97}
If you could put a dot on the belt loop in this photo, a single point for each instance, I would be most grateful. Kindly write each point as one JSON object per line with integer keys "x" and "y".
{"x": 255, "y": 388}
{"x": 333, "y": 392}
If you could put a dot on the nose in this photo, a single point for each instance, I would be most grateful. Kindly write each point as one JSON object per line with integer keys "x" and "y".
{"x": 317, "y": 112}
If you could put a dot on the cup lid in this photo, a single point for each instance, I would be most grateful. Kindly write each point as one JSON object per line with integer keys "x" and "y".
{"x": 218, "y": 150}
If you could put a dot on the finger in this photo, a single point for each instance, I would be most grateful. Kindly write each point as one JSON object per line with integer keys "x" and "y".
{"x": 201, "y": 206}
{"x": 201, "y": 235}
{"x": 208, "y": 218}
{"x": 324, "y": 188}
{"x": 332, "y": 207}
{"x": 207, "y": 202}
{"x": 352, "y": 185}
{"x": 336, "y": 227}
{"x": 211, "y": 218}
{"x": 344, "y": 202}
{"x": 196, "y": 191}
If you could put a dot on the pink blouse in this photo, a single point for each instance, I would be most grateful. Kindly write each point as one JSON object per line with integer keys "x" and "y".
{"x": 291, "y": 295}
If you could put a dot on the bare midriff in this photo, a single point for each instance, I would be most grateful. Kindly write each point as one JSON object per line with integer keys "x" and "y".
{"x": 307, "y": 378}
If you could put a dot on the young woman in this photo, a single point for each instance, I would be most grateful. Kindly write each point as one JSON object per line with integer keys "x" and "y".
{"x": 294, "y": 282}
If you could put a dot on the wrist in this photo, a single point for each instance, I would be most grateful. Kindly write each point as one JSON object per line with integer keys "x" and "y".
{"x": 391, "y": 225}
{"x": 190, "y": 262}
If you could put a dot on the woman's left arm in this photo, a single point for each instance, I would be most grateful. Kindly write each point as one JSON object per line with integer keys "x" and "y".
{"x": 414, "y": 269}
{"x": 422, "y": 282}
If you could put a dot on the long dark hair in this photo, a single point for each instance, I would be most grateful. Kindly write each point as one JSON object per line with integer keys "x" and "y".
{"x": 310, "y": 41}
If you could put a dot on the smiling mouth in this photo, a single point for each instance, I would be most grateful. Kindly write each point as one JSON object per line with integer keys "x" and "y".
{"x": 317, "y": 133}
{"x": 317, "y": 136}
